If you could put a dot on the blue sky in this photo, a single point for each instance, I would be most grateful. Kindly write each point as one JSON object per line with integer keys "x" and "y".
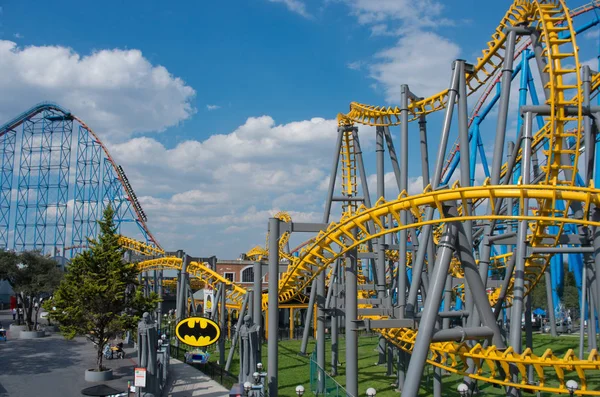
{"x": 223, "y": 112}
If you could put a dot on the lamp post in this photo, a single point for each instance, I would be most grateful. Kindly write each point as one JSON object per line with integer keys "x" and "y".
{"x": 371, "y": 392}
{"x": 299, "y": 390}
{"x": 572, "y": 386}
{"x": 463, "y": 390}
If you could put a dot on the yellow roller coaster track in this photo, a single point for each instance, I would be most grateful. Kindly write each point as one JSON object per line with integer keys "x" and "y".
{"x": 339, "y": 237}
{"x": 140, "y": 247}
{"x": 234, "y": 293}
{"x": 259, "y": 253}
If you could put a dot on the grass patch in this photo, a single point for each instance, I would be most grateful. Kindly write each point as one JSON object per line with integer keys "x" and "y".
{"x": 295, "y": 369}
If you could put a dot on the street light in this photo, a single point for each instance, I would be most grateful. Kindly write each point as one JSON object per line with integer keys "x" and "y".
{"x": 299, "y": 390}
{"x": 463, "y": 390}
{"x": 572, "y": 386}
{"x": 247, "y": 388}
{"x": 371, "y": 392}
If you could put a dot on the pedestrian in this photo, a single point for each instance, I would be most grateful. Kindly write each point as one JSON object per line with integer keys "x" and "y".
{"x": 14, "y": 313}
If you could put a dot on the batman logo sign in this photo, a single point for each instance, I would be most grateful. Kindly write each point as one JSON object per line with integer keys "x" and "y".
{"x": 197, "y": 331}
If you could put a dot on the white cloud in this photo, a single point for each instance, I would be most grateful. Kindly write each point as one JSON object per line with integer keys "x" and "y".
{"x": 18, "y": 35}
{"x": 420, "y": 59}
{"x": 424, "y": 13}
{"x": 212, "y": 107}
{"x": 296, "y": 6}
{"x": 231, "y": 183}
{"x": 117, "y": 92}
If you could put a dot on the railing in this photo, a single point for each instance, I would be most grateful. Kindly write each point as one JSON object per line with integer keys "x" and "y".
{"x": 321, "y": 384}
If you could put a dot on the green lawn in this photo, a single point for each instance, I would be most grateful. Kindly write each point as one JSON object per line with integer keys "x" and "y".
{"x": 295, "y": 369}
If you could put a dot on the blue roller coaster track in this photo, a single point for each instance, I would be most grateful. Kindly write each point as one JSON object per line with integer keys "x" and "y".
{"x": 53, "y": 208}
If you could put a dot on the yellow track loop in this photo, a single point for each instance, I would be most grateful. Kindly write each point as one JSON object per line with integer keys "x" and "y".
{"x": 338, "y": 239}
{"x": 199, "y": 270}
{"x": 139, "y": 247}
{"x": 453, "y": 358}
{"x": 487, "y": 65}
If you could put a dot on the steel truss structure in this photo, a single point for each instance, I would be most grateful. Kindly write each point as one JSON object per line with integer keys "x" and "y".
{"x": 395, "y": 262}
{"x": 46, "y": 201}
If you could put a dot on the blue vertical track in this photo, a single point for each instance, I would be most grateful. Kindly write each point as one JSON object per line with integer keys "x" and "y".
{"x": 87, "y": 186}
{"x": 46, "y": 200}
{"x": 7, "y": 141}
{"x": 27, "y": 166}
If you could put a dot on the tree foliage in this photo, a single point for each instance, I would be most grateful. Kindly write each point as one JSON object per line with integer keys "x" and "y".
{"x": 569, "y": 294}
{"x": 32, "y": 277}
{"x": 98, "y": 296}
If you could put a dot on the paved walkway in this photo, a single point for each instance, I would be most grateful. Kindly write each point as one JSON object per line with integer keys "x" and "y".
{"x": 186, "y": 381}
{"x": 55, "y": 367}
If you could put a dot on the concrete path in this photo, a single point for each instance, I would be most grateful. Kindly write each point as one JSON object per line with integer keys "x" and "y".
{"x": 54, "y": 367}
{"x": 186, "y": 381}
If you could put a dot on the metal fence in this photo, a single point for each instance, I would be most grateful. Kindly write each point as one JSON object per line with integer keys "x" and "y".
{"x": 321, "y": 384}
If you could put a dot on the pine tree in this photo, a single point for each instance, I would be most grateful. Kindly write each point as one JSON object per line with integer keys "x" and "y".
{"x": 98, "y": 296}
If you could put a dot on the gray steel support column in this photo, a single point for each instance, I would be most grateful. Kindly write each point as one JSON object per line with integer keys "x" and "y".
{"x": 592, "y": 342}
{"x": 257, "y": 305}
{"x": 402, "y": 244}
{"x": 465, "y": 252}
{"x": 596, "y": 243}
{"x": 223, "y": 324}
{"x": 364, "y": 183}
{"x": 333, "y": 175}
{"x": 506, "y": 78}
{"x": 429, "y": 247}
{"x": 236, "y": 335}
{"x": 582, "y": 308}
{"x": 432, "y": 304}
{"x": 215, "y": 305}
{"x": 441, "y": 155}
{"x": 321, "y": 331}
{"x": 351, "y": 297}
{"x": 160, "y": 303}
{"x": 447, "y": 299}
{"x": 521, "y": 250}
{"x": 463, "y": 134}
{"x": 528, "y": 335}
{"x": 191, "y": 296}
{"x": 155, "y": 278}
{"x": 272, "y": 347}
{"x": 437, "y": 381}
{"x": 335, "y": 321}
{"x": 510, "y": 201}
{"x": 550, "y": 299}
{"x": 540, "y": 59}
{"x": 183, "y": 291}
{"x": 309, "y": 317}
{"x": 587, "y": 125}
{"x": 380, "y": 269}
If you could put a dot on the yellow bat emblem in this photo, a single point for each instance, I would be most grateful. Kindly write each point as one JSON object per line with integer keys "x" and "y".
{"x": 198, "y": 331}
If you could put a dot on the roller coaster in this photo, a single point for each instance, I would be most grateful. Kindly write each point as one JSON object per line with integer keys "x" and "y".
{"x": 395, "y": 266}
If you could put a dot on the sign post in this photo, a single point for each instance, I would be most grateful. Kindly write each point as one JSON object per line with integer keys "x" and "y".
{"x": 139, "y": 380}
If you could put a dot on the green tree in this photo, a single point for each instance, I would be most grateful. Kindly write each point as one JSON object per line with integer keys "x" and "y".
{"x": 98, "y": 296}
{"x": 33, "y": 277}
{"x": 538, "y": 295}
{"x": 570, "y": 296}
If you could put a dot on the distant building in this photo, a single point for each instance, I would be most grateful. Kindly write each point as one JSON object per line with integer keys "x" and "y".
{"x": 239, "y": 271}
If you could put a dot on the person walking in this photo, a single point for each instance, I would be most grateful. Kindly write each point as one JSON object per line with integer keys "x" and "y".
{"x": 14, "y": 313}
